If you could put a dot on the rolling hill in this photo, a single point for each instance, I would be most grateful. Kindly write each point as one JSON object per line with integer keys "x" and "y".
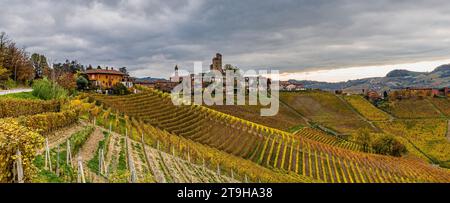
{"x": 299, "y": 156}
{"x": 440, "y": 77}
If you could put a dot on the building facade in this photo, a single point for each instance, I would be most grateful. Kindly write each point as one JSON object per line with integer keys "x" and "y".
{"x": 105, "y": 78}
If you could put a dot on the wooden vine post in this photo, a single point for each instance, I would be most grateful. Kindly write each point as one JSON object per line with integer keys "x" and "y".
{"x": 19, "y": 167}
{"x": 218, "y": 169}
{"x": 57, "y": 161}
{"x": 232, "y": 174}
{"x": 100, "y": 162}
{"x": 68, "y": 154}
{"x": 80, "y": 178}
{"x": 188, "y": 156}
{"x": 48, "y": 161}
{"x": 130, "y": 161}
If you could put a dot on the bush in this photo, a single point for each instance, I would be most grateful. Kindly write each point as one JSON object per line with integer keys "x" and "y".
{"x": 363, "y": 137}
{"x": 47, "y": 90}
{"x": 23, "y": 107}
{"x": 67, "y": 81}
{"x": 388, "y": 145}
{"x": 120, "y": 89}
{"x": 82, "y": 83}
{"x": 14, "y": 137}
{"x": 49, "y": 122}
{"x": 8, "y": 84}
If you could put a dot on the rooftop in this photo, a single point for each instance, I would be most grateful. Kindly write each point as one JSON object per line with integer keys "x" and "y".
{"x": 103, "y": 71}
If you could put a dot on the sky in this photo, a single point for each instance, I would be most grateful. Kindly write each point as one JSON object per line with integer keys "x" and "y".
{"x": 326, "y": 40}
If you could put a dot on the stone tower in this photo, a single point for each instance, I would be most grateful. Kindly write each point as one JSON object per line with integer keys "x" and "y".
{"x": 217, "y": 63}
{"x": 176, "y": 77}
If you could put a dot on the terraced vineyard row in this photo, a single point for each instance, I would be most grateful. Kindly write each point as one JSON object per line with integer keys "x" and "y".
{"x": 152, "y": 165}
{"x": 325, "y": 109}
{"x": 429, "y": 135}
{"x": 443, "y": 104}
{"x": 366, "y": 109}
{"x": 269, "y": 147}
{"x": 322, "y": 137}
{"x": 412, "y": 109}
{"x": 198, "y": 154}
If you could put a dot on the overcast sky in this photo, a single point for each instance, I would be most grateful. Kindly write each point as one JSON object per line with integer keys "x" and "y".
{"x": 150, "y": 37}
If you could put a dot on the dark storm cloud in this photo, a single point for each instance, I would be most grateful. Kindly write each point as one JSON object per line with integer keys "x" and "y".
{"x": 150, "y": 37}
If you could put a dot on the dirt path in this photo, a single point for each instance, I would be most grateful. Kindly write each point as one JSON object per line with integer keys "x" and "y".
{"x": 62, "y": 135}
{"x": 5, "y": 92}
{"x": 88, "y": 151}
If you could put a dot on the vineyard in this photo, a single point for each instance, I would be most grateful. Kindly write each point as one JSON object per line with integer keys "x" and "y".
{"x": 322, "y": 137}
{"x": 326, "y": 109}
{"x": 301, "y": 157}
{"x": 285, "y": 119}
{"x": 412, "y": 109}
{"x": 121, "y": 158}
{"x": 443, "y": 104}
{"x": 427, "y": 135}
{"x": 22, "y": 107}
{"x": 145, "y": 138}
{"x": 366, "y": 109}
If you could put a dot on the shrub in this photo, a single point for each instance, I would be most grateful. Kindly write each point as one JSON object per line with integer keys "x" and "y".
{"x": 120, "y": 89}
{"x": 82, "y": 83}
{"x": 47, "y": 90}
{"x": 22, "y": 107}
{"x": 67, "y": 81}
{"x": 364, "y": 138}
{"x": 48, "y": 122}
{"x": 12, "y": 138}
{"x": 388, "y": 145}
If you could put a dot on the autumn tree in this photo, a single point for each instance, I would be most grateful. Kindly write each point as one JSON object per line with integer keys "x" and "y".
{"x": 68, "y": 66}
{"x": 363, "y": 137}
{"x": 67, "y": 81}
{"x": 388, "y": 145}
{"x": 15, "y": 60}
{"x": 4, "y": 74}
{"x": 40, "y": 65}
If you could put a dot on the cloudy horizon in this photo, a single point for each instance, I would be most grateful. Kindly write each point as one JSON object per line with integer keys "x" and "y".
{"x": 151, "y": 37}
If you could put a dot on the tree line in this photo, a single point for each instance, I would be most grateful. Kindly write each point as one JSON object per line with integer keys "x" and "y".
{"x": 18, "y": 67}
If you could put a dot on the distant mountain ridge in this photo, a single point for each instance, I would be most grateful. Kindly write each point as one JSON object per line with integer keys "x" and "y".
{"x": 149, "y": 79}
{"x": 396, "y": 79}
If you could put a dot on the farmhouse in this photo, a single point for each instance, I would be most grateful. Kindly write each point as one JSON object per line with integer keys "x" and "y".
{"x": 107, "y": 78}
{"x": 291, "y": 86}
{"x": 373, "y": 95}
